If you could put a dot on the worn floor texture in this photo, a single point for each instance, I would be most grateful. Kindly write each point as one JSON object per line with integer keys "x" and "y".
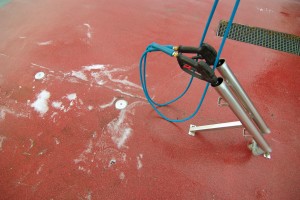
{"x": 61, "y": 137}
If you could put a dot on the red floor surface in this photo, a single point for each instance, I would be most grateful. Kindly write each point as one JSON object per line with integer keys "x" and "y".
{"x": 77, "y": 145}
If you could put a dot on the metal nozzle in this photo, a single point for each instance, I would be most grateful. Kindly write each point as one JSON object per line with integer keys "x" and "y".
{"x": 175, "y": 48}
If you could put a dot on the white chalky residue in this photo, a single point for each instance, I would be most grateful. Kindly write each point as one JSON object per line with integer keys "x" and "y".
{"x": 90, "y": 107}
{"x": 2, "y": 114}
{"x": 98, "y": 78}
{"x": 2, "y": 138}
{"x": 72, "y": 96}
{"x": 139, "y": 162}
{"x": 120, "y": 140}
{"x": 57, "y": 105}
{"x": 39, "y": 169}
{"x": 41, "y": 104}
{"x": 101, "y": 82}
{"x": 108, "y": 74}
{"x": 122, "y": 176}
{"x": 265, "y": 10}
{"x": 93, "y": 67}
{"x": 84, "y": 170}
{"x": 89, "y": 33}
{"x": 124, "y": 157}
{"x": 79, "y": 75}
{"x": 125, "y": 82}
{"x": 88, "y": 196}
{"x": 120, "y": 129}
{"x": 82, "y": 157}
{"x": 108, "y": 104}
{"x": 45, "y": 43}
{"x": 56, "y": 141}
{"x": 53, "y": 115}
{"x": 122, "y": 92}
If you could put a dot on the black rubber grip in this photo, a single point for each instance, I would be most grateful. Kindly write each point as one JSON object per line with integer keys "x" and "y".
{"x": 208, "y": 53}
{"x": 188, "y": 49}
{"x": 201, "y": 68}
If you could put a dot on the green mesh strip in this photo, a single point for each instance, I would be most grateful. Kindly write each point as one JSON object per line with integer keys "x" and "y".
{"x": 262, "y": 37}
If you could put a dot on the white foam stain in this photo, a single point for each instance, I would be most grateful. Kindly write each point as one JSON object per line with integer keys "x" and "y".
{"x": 102, "y": 75}
{"x": 83, "y": 156}
{"x": 2, "y": 114}
{"x": 97, "y": 78}
{"x": 79, "y": 75}
{"x": 89, "y": 33}
{"x": 93, "y": 67}
{"x": 108, "y": 104}
{"x": 57, "y": 105}
{"x": 108, "y": 74}
{"x": 122, "y": 176}
{"x": 139, "y": 161}
{"x": 84, "y": 169}
{"x": 2, "y": 138}
{"x": 88, "y": 196}
{"x": 125, "y": 82}
{"x": 120, "y": 129}
{"x": 45, "y": 43}
{"x": 41, "y": 104}
{"x": 57, "y": 142}
{"x": 5, "y": 110}
{"x": 265, "y": 10}
{"x": 72, "y": 96}
{"x": 39, "y": 169}
{"x": 126, "y": 93}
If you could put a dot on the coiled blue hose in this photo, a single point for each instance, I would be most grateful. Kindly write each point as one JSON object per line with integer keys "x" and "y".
{"x": 168, "y": 49}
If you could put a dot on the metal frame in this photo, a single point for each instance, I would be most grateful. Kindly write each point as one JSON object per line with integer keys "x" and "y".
{"x": 238, "y": 101}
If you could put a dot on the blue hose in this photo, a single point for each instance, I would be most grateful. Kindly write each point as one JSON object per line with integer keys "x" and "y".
{"x": 168, "y": 49}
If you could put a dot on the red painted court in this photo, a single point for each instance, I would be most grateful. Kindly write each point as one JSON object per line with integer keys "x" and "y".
{"x": 62, "y": 137}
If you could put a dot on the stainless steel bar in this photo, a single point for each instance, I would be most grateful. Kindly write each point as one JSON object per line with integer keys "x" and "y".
{"x": 234, "y": 84}
{"x": 194, "y": 129}
{"x": 215, "y": 126}
{"x": 238, "y": 110}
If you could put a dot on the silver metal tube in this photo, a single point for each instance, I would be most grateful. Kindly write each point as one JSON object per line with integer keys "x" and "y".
{"x": 234, "y": 84}
{"x": 238, "y": 110}
{"x": 216, "y": 126}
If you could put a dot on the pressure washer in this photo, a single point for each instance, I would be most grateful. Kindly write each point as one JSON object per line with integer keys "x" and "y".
{"x": 201, "y": 63}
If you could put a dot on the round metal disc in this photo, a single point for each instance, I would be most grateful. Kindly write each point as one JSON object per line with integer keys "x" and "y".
{"x": 39, "y": 75}
{"x": 121, "y": 104}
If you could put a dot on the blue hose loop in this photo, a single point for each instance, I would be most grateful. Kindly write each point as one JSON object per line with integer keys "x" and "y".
{"x": 152, "y": 103}
{"x": 168, "y": 49}
{"x": 155, "y": 47}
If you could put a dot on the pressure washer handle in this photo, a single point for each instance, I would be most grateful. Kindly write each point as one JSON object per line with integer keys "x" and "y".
{"x": 188, "y": 49}
{"x": 202, "y": 68}
{"x": 206, "y": 51}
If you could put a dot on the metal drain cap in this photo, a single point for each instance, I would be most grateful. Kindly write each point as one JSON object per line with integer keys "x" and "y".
{"x": 121, "y": 104}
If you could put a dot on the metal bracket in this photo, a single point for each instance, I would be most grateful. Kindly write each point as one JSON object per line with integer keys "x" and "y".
{"x": 221, "y": 102}
{"x": 256, "y": 150}
{"x": 194, "y": 128}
